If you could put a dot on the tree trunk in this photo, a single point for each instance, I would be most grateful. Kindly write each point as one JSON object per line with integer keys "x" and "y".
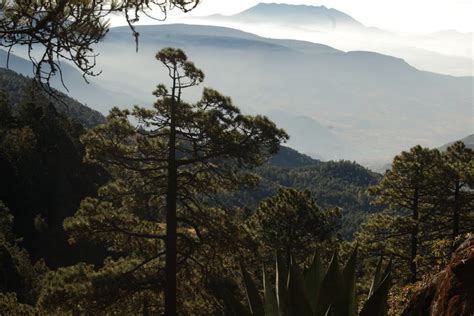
{"x": 414, "y": 238}
{"x": 171, "y": 221}
{"x": 456, "y": 214}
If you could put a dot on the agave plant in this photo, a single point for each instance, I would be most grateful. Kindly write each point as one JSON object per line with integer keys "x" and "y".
{"x": 314, "y": 292}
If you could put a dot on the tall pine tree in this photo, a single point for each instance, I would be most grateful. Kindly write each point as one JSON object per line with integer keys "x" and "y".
{"x": 458, "y": 207}
{"x": 165, "y": 168}
{"x": 407, "y": 191}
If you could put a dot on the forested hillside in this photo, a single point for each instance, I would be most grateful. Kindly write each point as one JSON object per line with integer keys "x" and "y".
{"x": 43, "y": 174}
{"x": 341, "y": 184}
{"x": 18, "y": 88}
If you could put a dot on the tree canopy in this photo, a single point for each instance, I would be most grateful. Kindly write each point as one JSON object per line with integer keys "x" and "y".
{"x": 428, "y": 201}
{"x": 291, "y": 223}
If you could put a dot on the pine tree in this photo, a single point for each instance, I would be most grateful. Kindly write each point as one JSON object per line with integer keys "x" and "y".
{"x": 291, "y": 223}
{"x": 409, "y": 192}
{"x": 458, "y": 168}
{"x": 166, "y": 167}
{"x": 20, "y": 279}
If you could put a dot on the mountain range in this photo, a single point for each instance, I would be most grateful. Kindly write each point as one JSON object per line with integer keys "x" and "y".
{"x": 73, "y": 84}
{"x": 300, "y": 15}
{"x": 447, "y": 52}
{"x": 353, "y": 105}
{"x": 356, "y": 105}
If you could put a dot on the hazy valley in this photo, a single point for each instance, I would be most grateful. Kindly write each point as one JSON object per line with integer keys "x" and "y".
{"x": 358, "y": 105}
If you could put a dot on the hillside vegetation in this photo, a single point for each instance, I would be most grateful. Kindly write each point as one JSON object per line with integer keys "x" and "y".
{"x": 18, "y": 88}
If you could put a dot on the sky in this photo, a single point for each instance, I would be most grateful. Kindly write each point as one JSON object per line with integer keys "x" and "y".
{"x": 409, "y": 16}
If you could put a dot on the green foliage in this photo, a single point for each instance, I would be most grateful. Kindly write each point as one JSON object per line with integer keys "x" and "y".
{"x": 428, "y": 202}
{"x": 290, "y": 158}
{"x": 163, "y": 171}
{"x": 43, "y": 176}
{"x": 9, "y": 305}
{"x": 332, "y": 184}
{"x": 408, "y": 190}
{"x": 456, "y": 216}
{"x": 81, "y": 288}
{"x": 19, "y": 278}
{"x": 291, "y": 222}
{"x": 315, "y": 292}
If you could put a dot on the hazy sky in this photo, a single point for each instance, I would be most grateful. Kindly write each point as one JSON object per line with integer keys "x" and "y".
{"x": 417, "y": 16}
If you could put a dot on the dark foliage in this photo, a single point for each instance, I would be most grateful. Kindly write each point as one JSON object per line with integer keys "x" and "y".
{"x": 290, "y": 158}
{"x": 341, "y": 184}
{"x": 18, "y": 87}
{"x": 43, "y": 177}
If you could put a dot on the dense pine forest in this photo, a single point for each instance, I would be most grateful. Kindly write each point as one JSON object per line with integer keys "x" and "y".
{"x": 196, "y": 208}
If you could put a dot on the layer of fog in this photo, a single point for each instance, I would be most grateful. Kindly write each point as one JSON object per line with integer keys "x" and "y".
{"x": 360, "y": 106}
{"x": 448, "y": 52}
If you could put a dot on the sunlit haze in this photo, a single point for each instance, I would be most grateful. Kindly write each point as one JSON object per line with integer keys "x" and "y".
{"x": 410, "y": 16}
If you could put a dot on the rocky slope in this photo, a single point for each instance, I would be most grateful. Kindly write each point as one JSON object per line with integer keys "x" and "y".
{"x": 451, "y": 292}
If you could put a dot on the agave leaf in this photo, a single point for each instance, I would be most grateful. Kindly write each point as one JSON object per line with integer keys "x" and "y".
{"x": 281, "y": 280}
{"x": 388, "y": 268}
{"x": 329, "y": 312}
{"x": 313, "y": 279}
{"x": 271, "y": 304}
{"x": 255, "y": 303}
{"x": 348, "y": 306}
{"x": 330, "y": 288}
{"x": 233, "y": 307}
{"x": 377, "y": 277}
{"x": 297, "y": 299}
{"x": 377, "y": 305}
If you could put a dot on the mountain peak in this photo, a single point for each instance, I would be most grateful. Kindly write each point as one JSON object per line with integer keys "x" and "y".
{"x": 274, "y": 7}
{"x": 291, "y": 13}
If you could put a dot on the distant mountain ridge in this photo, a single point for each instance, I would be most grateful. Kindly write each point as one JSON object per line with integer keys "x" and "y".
{"x": 302, "y": 14}
{"x": 92, "y": 94}
{"x": 335, "y": 105}
{"x": 447, "y": 52}
{"x": 354, "y": 103}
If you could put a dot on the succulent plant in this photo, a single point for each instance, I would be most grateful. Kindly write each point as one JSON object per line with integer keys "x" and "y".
{"x": 314, "y": 292}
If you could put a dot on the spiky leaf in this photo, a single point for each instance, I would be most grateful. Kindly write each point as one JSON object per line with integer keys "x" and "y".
{"x": 329, "y": 312}
{"x": 255, "y": 303}
{"x": 281, "y": 280}
{"x": 271, "y": 304}
{"x": 377, "y": 305}
{"x": 233, "y": 307}
{"x": 297, "y": 299}
{"x": 348, "y": 296}
{"x": 377, "y": 277}
{"x": 331, "y": 287}
{"x": 313, "y": 279}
